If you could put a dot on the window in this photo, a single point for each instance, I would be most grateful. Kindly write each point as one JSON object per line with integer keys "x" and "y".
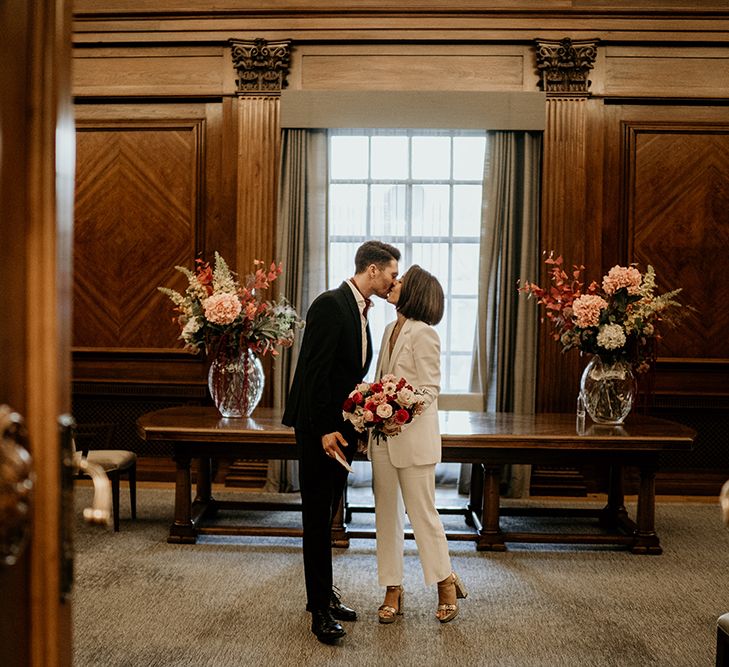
{"x": 421, "y": 191}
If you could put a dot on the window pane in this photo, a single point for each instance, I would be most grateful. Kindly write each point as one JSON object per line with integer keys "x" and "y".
{"x": 341, "y": 262}
{"x": 431, "y": 158}
{"x": 433, "y": 257}
{"x": 459, "y": 377}
{"x": 349, "y": 157}
{"x": 348, "y": 209}
{"x": 442, "y": 329}
{"x": 465, "y": 268}
{"x": 463, "y": 324}
{"x": 388, "y": 210}
{"x": 443, "y": 370}
{"x": 431, "y": 206}
{"x": 389, "y": 158}
{"x": 468, "y": 158}
{"x": 435, "y": 225}
{"x": 467, "y": 210}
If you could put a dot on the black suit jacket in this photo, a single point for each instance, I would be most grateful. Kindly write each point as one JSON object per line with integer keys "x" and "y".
{"x": 329, "y": 364}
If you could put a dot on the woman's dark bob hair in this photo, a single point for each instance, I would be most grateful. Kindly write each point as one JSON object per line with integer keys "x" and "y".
{"x": 421, "y": 296}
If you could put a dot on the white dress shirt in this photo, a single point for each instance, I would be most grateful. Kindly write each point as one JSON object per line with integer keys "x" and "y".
{"x": 361, "y": 303}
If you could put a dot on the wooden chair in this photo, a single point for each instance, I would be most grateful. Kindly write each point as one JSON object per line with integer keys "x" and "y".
{"x": 93, "y": 442}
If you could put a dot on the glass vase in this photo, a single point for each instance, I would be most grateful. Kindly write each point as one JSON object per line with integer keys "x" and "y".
{"x": 236, "y": 383}
{"x": 607, "y": 390}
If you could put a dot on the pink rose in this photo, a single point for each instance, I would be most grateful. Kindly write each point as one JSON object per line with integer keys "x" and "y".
{"x": 384, "y": 410}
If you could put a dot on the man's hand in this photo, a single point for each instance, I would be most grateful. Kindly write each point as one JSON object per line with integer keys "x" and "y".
{"x": 331, "y": 441}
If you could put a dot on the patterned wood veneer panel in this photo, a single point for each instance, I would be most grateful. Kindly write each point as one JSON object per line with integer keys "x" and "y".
{"x": 137, "y": 194}
{"x": 679, "y": 223}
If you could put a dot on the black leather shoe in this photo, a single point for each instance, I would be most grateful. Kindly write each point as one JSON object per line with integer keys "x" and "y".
{"x": 326, "y": 629}
{"x": 340, "y": 611}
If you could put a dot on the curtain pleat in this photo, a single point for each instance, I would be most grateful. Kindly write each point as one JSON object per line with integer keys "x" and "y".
{"x": 301, "y": 245}
{"x": 505, "y": 359}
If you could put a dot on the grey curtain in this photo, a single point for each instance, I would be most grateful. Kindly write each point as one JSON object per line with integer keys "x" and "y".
{"x": 505, "y": 360}
{"x": 301, "y": 243}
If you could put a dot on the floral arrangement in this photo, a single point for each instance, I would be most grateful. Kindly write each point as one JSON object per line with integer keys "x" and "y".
{"x": 221, "y": 316}
{"x": 384, "y": 406}
{"x": 615, "y": 320}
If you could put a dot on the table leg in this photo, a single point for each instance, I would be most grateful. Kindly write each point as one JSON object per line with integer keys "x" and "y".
{"x": 490, "y": 536}
{"x": 614, "y": 513}
{"x": 646, "y": 540}
{"x": 204, "y": 481}
{"x": 182, "y": 531}
{"x": 475, "y": 501}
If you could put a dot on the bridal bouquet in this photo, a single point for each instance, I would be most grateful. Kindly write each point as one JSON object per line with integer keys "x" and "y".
{"x": 384, "y": 406}
{"x": 615, "y": 320}
{"x": 218, "y": 314}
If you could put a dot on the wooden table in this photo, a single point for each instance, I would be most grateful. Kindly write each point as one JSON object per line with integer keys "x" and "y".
{"x": 488, "y": 441}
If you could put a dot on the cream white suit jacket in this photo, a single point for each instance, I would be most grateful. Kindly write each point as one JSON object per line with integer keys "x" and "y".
{"x": 415, "y": 357}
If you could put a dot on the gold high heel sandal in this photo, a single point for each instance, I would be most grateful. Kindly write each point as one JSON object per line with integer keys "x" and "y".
{"x": 388, "y": 614}
{"x": 447, "y": 612}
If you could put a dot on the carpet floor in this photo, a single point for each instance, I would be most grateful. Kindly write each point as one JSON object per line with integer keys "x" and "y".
{"x": 230, "y": 601}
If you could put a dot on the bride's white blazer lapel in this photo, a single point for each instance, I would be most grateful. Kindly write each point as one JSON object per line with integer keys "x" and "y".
{"x": 399, "y": 344}
{"x": 383, "y": 359}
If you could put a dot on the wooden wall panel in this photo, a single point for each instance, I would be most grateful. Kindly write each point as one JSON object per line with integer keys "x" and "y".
{"x": 679, "y": 189}
{"x": 137, "y": 190}
{"x": 665, "y": 203}
{"x": 151, "y": 71}
{"x": 413, "y": 72}
{"x": 676, "y": 71}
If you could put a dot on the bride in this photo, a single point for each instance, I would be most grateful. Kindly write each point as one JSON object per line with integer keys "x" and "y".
{"x": 403, "y": 466}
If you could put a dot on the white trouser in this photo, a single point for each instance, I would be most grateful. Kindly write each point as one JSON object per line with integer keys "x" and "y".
{"x": 416, "y": 487}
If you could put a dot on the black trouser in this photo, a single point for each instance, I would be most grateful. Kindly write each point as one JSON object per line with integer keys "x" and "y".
{"x": 322, "y": 481}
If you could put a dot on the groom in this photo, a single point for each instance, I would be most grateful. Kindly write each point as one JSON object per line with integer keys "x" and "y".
{"x": 335, "y": 355}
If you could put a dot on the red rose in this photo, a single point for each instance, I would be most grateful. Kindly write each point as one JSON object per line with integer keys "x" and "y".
{"x": 371, "y": 406}
{"x": 376, "y": 388}
{"x": 402, "y": 416}
{"x": 357, "y": 397}
{"x": 349, "y": 405}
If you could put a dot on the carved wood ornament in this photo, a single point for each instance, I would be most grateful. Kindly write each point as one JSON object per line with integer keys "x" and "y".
{"x": 262, "y": 66}
{"x": 564, "y": 65}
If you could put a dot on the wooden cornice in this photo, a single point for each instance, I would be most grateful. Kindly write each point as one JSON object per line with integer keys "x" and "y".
{"x": 128, "y": 21}
{"x": 355, "y": 8}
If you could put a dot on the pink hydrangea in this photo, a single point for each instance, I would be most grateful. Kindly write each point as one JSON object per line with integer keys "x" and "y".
{"x": 222, "y": 308}
{"x": 586, "y": 310}
{"x": 622, "y": 276}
